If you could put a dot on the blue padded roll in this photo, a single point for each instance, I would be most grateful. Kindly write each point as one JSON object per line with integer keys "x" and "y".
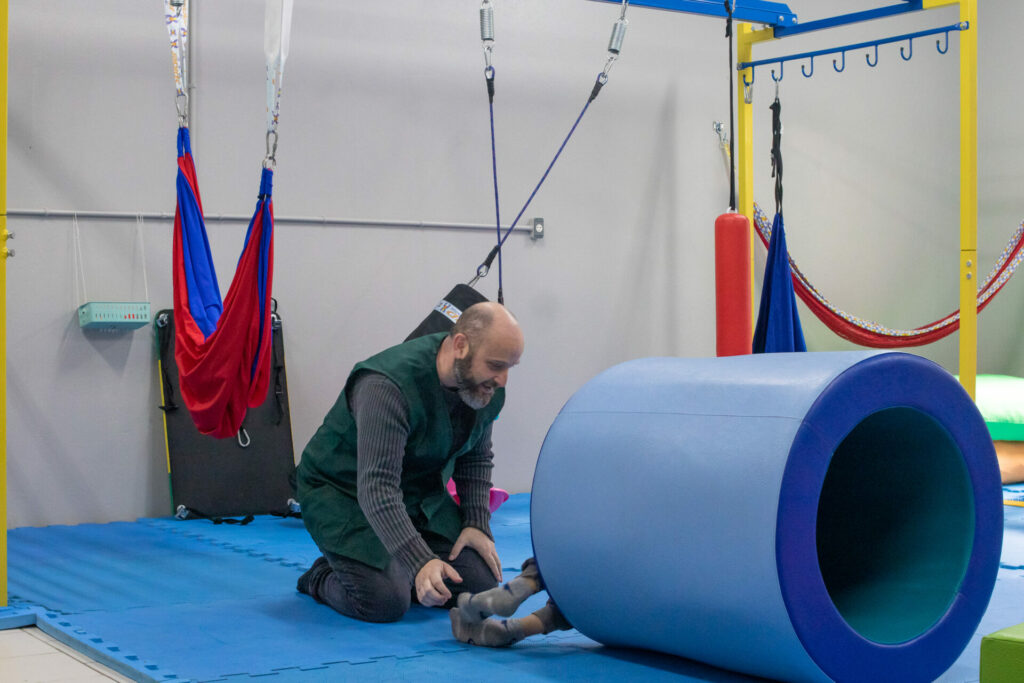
{"x": 798, "y": 516}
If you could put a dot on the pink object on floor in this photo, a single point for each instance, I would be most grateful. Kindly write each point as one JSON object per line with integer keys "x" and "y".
{"x": 498, "y": 496}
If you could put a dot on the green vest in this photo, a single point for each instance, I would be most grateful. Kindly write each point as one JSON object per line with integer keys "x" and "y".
{"x": 326, "y": 475}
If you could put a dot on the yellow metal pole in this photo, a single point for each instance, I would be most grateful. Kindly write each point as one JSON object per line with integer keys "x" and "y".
{"x": 744, "y": 150}
{"x": 745, "y": 39}
{"x": 969, "y": 195}
{"x": 3, "y": 304}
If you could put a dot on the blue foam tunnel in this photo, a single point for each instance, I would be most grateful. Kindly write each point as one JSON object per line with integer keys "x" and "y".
{"x": 797, "y": 516}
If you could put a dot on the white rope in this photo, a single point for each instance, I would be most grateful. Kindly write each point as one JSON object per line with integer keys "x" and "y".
{"x": 142, "y": 255}
{"x": 79, "y": 262}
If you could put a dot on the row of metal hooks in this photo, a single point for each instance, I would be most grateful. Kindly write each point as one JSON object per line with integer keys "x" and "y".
{"x": 906, "y": 53}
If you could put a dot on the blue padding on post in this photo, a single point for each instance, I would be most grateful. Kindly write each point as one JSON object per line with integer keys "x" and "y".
{"x": 694, "y": 492}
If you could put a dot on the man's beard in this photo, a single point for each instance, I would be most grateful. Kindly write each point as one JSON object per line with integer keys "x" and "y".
{"x": 474, "y": 394}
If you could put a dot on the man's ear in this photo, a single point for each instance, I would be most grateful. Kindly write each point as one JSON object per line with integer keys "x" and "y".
{"x": 460, "y": 344}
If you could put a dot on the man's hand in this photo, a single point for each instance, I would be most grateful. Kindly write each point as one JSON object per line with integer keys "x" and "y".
{"x": 430, "y": 588}
{"x": 472, "y": 537}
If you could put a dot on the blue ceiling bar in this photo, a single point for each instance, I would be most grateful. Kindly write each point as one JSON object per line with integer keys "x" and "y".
{"x": 844, "y": 19}
{"x": 752, "y": 11}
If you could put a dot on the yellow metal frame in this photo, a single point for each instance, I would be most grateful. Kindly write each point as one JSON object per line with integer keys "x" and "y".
{"x": 968, "y": 276}
{"x": 3, "y": 304}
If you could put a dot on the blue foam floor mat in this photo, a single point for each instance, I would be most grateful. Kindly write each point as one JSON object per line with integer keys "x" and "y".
{"x": 163, "y": 599}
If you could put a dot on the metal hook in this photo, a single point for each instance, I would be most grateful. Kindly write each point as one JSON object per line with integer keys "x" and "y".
{"x": 839, "y": 69}
{"x": 940, "y": 49}
{"x": 780, "y": 73}
{"x": 744, "y": 77}
{"x": 804, "y": 71}
{"x": 910, "y": 53}
{"x": 867, "y": 58}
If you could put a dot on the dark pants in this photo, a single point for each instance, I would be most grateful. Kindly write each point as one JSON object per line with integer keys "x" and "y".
{"x": 363, "y": 592}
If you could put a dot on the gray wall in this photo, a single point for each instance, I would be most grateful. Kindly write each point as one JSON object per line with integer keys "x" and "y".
{"x": 385, "y": 117}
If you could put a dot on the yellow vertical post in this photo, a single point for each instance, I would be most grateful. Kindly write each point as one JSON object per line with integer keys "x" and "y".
{"x": 745, "y": 145}
{"x": 745, "y": 39}
{"x": 969, "y": 196}
{"x": 3, "y": 303}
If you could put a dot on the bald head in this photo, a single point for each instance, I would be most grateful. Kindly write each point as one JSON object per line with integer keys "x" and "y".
{"x": 480, "y": 349}
{"x": 480, "y": 320}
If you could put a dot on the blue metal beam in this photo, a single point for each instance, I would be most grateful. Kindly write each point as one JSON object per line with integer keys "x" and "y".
{"x": 753, "y": 11}
{"x": 844, "y": 19}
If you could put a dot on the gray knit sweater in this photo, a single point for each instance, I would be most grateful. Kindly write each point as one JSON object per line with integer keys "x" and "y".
{"x": 382, "y": 425}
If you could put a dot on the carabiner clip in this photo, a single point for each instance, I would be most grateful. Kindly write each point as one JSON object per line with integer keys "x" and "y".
{"x": 270, "y": 161}
{"x": 181, "y": 104}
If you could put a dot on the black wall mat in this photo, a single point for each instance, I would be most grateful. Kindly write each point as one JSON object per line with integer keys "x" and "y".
{"x": 221, "y": 477}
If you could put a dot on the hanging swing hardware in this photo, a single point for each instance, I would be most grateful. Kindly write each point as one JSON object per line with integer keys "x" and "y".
{"x": 867, "y": 58}
{"x": 805, "y": 72}
{"x": 938, "y": 46}
{"x": 910, "y": 51}
{"x": 181, "y": 104}
{"x": 906, "y": 52}
{"x": 485, "y": 267}
{"x": 615, "y": 42}
{"x": 723, "y": 135}
{"x": 271, "y": 159}
{"x": 487, "y": 33}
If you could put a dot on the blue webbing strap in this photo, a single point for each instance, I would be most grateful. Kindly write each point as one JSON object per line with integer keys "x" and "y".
{"x": 598, "y": 84}
{"x": 489, "y": 75}
{"x": 593, "y": 95}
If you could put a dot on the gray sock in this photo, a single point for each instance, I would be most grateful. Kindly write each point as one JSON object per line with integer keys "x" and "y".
{"x": 488, "y": 632}
{"x": 502, "y": 600}
{"x": 552, "y": 618}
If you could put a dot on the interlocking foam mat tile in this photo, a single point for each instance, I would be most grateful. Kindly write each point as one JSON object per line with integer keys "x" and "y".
{"x": 170, "y": 600}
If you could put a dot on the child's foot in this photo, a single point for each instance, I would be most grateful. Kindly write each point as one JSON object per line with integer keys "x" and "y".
{"x": 503, "y": 600}
{"x": 486, "y": 632}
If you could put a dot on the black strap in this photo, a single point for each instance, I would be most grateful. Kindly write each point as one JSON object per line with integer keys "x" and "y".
{"x": 277, "y": 365}
{"x": 732, "y": 123}
{"x": 777, "y": 152}
{"x": 185, "y": 512}
{"x": 163, "y": 337}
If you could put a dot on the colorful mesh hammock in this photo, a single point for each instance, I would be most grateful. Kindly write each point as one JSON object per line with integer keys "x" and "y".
{"x": 867, "y": 333}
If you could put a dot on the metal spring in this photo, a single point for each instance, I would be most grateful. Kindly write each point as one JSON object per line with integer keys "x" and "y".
{"x": 618, "y": 34}
{"x": 486, "y": 21}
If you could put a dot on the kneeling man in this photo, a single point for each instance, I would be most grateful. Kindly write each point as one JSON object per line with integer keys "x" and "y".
{"x": 372, "y": 479}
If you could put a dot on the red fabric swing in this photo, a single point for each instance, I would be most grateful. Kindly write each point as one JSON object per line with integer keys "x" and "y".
{"x": 222, "y": 350}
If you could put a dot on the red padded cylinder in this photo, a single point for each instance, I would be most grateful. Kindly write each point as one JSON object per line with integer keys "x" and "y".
{"x": 733, "y": 272}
